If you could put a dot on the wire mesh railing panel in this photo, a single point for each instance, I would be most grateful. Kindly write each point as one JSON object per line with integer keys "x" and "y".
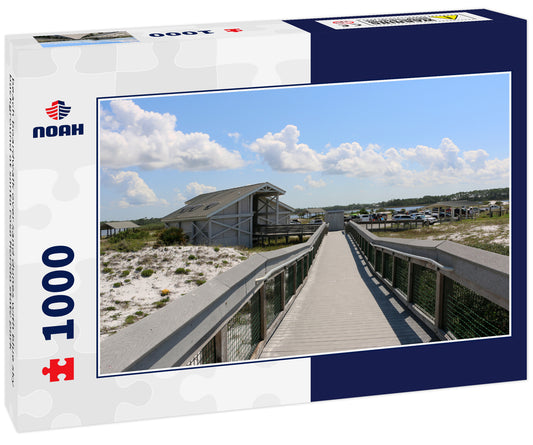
{"x": 244, "y": 330}
{"x": 273, "y": 299}
{"x": 306, "y": 265}
{"x": 387, "y": 266}
{"x": 289, "y": 283}
{"x": 299, "y": 273}
{"x": 468, "y": 315}
{"x": 205, "y": 356}
{"x": 424, "y": 289}
{"x": 401, "y": 275}
{"x": 379, "y": 255}
{"x": 372, "y": 256}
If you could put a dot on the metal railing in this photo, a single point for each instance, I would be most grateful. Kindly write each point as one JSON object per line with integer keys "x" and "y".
{"x": 449, "y": 308}
{"x": 229, "y": 318}
{"x": 245, "y": 334}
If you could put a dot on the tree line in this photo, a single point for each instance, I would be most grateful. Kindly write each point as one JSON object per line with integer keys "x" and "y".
{"x": 497, "y": 194}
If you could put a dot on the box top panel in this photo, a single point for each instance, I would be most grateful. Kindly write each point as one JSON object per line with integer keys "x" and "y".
{"x": 152, "y": 34}
{"x": 239, "y": 30}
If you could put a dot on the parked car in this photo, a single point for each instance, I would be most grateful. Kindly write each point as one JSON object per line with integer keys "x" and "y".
{"x": 427, "y": 219}
{"x": 316, "y": 221}
{"x": 295, "y": 221}
{"x": 403, "y": 217}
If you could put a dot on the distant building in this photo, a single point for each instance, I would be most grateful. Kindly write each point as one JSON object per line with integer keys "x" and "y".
{"x": 113, "y": 227}
{"x": 230, "y": 217}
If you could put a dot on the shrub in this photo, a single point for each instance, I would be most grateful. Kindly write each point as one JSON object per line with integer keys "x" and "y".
{"x": 130, "y": 319}
{"x": 172, "y": 236}
{"x": 110, "y": 308}
{"x": 161, "y": 303}
{"x": 191, "y": 257}
{"x": 117, "y": 284}
{"x": 200, "y": 282}
{"x": 139, "y": 269}
{"x": 217, "y": 249}
{"x": 107, "y": 270}
{"x": 128, "y": 235}
{"x": 182, "y": 271}
{"x": 139, "y": 313}
{"x": 147, "y": 273}
{"x": 124, "y": 273}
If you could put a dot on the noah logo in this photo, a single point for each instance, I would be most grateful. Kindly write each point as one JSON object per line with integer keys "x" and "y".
{"x": 58, "y": 111}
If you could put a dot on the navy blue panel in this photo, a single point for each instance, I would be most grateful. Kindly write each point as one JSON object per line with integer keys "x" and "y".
{"x": 410, "y": 51}
{"x": 420, "y": 51}
{"x": 413, "y": 368}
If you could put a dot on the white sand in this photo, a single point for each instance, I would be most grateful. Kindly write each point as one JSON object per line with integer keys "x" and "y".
{"x": 137, "y": 296}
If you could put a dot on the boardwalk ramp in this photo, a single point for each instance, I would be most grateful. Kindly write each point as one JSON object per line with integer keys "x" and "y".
{"x": 343, "y": 307}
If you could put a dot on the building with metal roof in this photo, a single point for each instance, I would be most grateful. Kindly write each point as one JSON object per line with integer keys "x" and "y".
{"x": 111, "y": 227}
{"x": 229, "y": 217}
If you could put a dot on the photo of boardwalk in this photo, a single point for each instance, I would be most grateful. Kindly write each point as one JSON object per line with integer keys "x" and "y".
{"x": 322, "y": 253}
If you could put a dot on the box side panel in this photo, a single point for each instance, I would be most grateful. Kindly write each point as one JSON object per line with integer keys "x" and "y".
{"x": 10, "y": 235}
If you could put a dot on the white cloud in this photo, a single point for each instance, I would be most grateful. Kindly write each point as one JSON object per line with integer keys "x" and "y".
{"x": 300, "y": 188}
{"x": 419, "y": 165}
{"x": 132, "y": 136}
{"x": 235, "y": 136}
{"x": 282, "y": 152}
{"x": 194, "y": 189}
{"x": 314, "y": 184}
{"x": 134, "y": 191}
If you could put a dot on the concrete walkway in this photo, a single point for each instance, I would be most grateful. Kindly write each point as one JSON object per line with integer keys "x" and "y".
{"x": 342, "y": 308}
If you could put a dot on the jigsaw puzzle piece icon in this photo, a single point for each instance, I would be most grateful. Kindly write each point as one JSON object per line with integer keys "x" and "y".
{"x": 55, "y": 369}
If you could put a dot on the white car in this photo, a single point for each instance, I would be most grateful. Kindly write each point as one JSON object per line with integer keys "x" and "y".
{"x": 427, "y": 219}
{"x": 403, "y": 217}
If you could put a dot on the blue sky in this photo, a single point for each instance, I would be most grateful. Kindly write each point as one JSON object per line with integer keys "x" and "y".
{"x": 324, "y": 145}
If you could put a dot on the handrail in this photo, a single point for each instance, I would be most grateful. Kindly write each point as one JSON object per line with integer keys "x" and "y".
{"x": 282, "y": 266}
{"x": 416, "y": 257}
{"x": 450, "y": 300}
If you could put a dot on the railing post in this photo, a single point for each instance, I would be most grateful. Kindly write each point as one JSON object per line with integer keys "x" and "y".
{"x": 295, "y": 278}
{"x": 393, "y": 277}
{"x": 262, "y": 310}
{"x": 283, "y": 290}
{"x": 439, "y": 299}
{"x": 383, "y": 264}
{"x": 410, "y": 280}
{"x": 221, "y": 345}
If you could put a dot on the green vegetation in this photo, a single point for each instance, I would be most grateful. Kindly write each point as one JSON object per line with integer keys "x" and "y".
{"x": 147, "y": 273}
{"x": 482, "y": 233}
{"x": 124, "y": 273}
{"x": 107, "y": 270}
{"x": 172, "y": 236}
{"x": 117, "y": 284}
{"x": 182, "y": 271}
{"x": 191, "y": 257}
{"x": 199, "y": 282}
{"x": 159, "y": 304}
{"x": 130, "y": 319}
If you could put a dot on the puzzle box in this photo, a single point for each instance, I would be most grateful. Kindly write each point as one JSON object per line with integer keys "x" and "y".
{"x": 145, "y": 173}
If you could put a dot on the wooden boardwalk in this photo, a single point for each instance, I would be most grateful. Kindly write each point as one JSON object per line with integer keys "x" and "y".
{"x": 342, "y": 308}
